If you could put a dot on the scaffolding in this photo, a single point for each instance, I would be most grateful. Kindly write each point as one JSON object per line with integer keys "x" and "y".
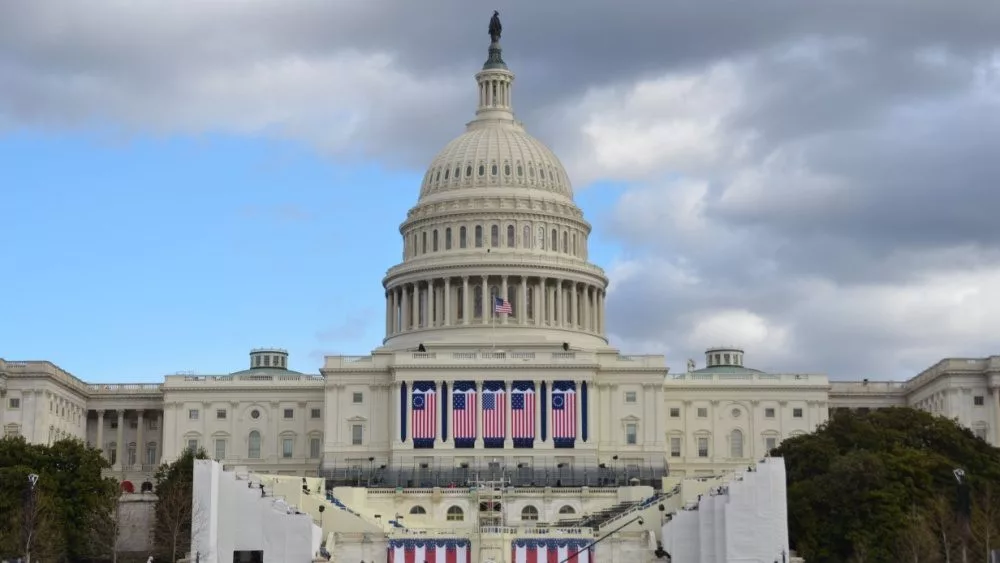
{"x": 489, "y": 501}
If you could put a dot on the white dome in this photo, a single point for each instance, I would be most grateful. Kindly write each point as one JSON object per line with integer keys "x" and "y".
{"x": 496, "y": 154}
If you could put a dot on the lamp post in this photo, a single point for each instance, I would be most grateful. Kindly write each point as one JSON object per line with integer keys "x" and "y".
{"x": 322, "y": 509}
{"x": 29, "y": 516}
{"x": 371, "y": 470}
{"x": 614, "y": 469}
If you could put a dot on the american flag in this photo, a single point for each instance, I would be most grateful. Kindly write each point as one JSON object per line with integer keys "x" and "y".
{"x": 564, "y": 414}
{"x": 551, "y": 551}
{"x": 501, "y": 305}
{"x": 493, "y": 414}
{"x": 463, "y": 413}
{"x": 424, "y": 403}
{"x": 522, "y": 414}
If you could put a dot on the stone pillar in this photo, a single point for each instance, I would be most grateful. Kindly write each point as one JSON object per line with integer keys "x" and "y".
{"x": 466, "y": 312}
{"x": 539, "y": 300}
{"x": 100, "y": 434}
{"x": 388, "y": 311}
{"x": 549, "y": 305}
{"x": 479, "y": 414}
{"x": 538, "y": 412}
{"x": 591, "y": 309}
{"x": 447, "y": 302}
{"x": 439, "y": 397}
{"x": 600, "y": 311}
{"x": 484, "y": 302}
{"x": 119, "y": 462}
{"x": 404, "y": 312}
{"x": 140, "y": 446}
{"x": 579, "y": 411}
{"x": 415, "y": 306}
{"x": 523, "y": 305}
{"x": 503, "y": 293}
{"x": 574, "y": 308}
{"x": 508, "y": 439}
{"x": 431, "y": 304}
{"x": 560, "y": 304}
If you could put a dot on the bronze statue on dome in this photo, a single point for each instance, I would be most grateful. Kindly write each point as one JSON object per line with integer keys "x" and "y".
{"x": 495, "y": 27}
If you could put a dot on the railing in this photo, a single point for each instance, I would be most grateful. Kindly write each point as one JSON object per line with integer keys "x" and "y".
{"x": 536, "y": 531}
{"x": 124, "y": 387}
{"x": 867, "y": 387}
{"x": 244, "y": 378}
{"x": 752, "y": 377}
{"x": 367, "y": 362}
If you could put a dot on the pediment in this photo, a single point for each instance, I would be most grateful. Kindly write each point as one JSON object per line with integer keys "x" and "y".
{"x": 357, "y": 418}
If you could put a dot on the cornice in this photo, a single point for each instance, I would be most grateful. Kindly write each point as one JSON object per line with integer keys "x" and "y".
{"x": 408, "y": 272}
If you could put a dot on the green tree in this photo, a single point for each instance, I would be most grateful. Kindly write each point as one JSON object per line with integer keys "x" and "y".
{"x": 174, "y": 494}
{"x": 72, "y": 505}
{"x": 865, "y": 485}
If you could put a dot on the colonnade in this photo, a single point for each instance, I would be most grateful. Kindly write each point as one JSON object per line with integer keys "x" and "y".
{"x": 468, "y": 300}
{"x": 143, "y": 455}
{"x": 446, "y": 408}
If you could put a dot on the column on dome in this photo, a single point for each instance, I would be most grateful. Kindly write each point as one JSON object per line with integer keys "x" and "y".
{"x": 503, "y": 293}
{"x": 388, "y": 313}
{"x": 574, "y": 309}
{"x": 100, "y": 433}
{"x": 560, "y": 309}
{"x": 591, "y": 309}
{"x": 538, "y": 301}
{"x": 600, "y": 311}
{"x": 523, "y": 304}
{"x": 549, "y": 304}
{"x": 484, "y": 301}
{"x": 447, "y": 301}
{"x": 404, "y": 311}
{"x": 395, "y": 310}
{"x": 466, "y": 312}
{"x": 414, "y": 306}
{"x": 431, "y": 303}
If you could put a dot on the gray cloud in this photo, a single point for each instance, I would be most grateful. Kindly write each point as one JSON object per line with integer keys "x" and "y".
{"x": 816, "y": 182}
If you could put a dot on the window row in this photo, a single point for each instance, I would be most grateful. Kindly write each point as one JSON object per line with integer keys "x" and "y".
{"x": 736, "y": 445}
{"x": 455, "y": 513}
{"x": 221, "y": 450}
{"x": 315, "y": 413}
{"x": 571, "y": 242}
{"x": 702, "y": 412}
{"x": 131, "y": 454}
{"x": 517, "y": 172}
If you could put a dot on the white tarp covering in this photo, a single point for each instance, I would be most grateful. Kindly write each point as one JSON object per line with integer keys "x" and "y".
{"x": 229, "y": 516}
{"x": 745, "y": 521}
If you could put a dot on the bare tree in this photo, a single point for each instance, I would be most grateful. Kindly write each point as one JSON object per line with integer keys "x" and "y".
{"x": 986, "y": 518}
{"x": 31, "y": 516}
{"x": 916, "y": 542}
{"x": 945, "y": 527}
{"x": 173, "y": 519}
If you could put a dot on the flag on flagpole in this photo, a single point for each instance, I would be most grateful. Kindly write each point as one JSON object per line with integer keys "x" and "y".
{"x": 501, "y": 305}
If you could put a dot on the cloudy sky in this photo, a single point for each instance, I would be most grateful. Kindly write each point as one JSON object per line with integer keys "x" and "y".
{"x": 815, "y": 182}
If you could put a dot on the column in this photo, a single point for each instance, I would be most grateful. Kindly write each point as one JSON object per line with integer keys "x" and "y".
{"x": 140, "y": 445}
{"x": 431, "y": 304}
{"x": 439, "y": 397}
{"x": 539, "y": 301}
{"x": 119, "y": 462}
{"x": 466, "y": 312}
{"x": 388, "y": 312}
{"x": 508, "y": 440}
{"x": 593, "y": 433}
{"x": 479, "y": 414}
{"x": 503, "y": 293}
{"x": 100, "y": 434}
{"x": 600, "y": 311}
{"x": 579, "y": 411}
{"x": 589, "y": 318}
{"x": 404, "y": 312}
{"x": 446, "y": 409}
{"x": 523, "y": 305}
{"x": 415, "y": 306}
{"x": 484, "y": 301}
{"x": 549, "y": 304}
{"x": 447, "y": 302}
{"x": 573, "y": 307}
{"x": 538, "y": 412}
{"x": 561, "y": 304}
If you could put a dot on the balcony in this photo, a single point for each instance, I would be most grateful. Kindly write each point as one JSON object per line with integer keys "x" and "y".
{"x": 498, "y": 357}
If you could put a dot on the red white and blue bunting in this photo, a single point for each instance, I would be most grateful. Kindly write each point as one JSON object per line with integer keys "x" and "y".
{"x": 430, "y": 551}
{"x": 551, "y": 551}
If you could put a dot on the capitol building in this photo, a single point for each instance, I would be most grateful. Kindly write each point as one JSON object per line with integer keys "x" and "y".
{"x": 495, "y": 366}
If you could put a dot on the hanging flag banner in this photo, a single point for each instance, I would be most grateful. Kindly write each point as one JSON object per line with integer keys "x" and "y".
{"x": 423, "y": 406}
{"x": 463, "y": 413}
{"x": 430, "y": 551}
{"x": 522, "y": 414}
{"x": 563, "y": 414}
{"x": 551, "y": 551}
{"x": 494, "y": 413}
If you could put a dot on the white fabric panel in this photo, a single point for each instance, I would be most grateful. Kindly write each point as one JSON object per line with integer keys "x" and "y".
{"x": 520, "y": 554}
{"x": 462, "y": 554}
{"x": 719, "y": 513}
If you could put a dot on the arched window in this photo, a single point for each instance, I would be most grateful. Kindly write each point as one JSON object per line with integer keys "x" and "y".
{"x": 477, "y": 302}
{"x": 461, "y": 237}
{"x": 553, "y": 248}
{"x": 510, "y": 236}
{"x": 418, "y": 510}
{"x": 736, "y": 444}
{"x": 461, "y": 304}
{"x": 526, "y": 237}
{"x": 434, "y": 241}
{"x": 530, "y": 302}
{"x": 423, "y": 244}
{"x": 479, "y": 236}
{"x": 576, "y": 247}
{"x": 455, "y": 514}
{"x": 567, "y": 509}
{"x": 495, "y": 236}
{"x": 253, "y": 445}
{"x": 565, "y": 242}
{"x": 541, "y": 238}
{"x": 529, "y": 514}
{"x": 447, "y": 238}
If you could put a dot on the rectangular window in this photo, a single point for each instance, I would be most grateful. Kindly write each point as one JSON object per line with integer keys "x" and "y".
{"x": 675, "y": 412}
{"x": 289, "y": 413}
{"x": 702, "y": 412}
{"x": 193, "y": 445}
{"x": 192, "y": 415}
{"x": 770, "y": 443}
{"x": 358, "y": 398}
{"x": 220, "y": 449}
{"x": 978, "y": 400}
{"x": 702, "y": 447}
{"x": 675, "y": 447}
{"x": 314, "y": 445}
{"x": 631, "y": 433}
{"x": 151, "y": 454}
{"x": 286, "y": 447}
{"x": 220, "y": 414}
{"x": 981, "y": 433}
{"x": 315, "y": 413}
{"x": 14, "y": 402}
{"x": 630, "y": 396}
{"x": 796, "y": 413}
{"x": 113, "y": 455}
{"x": 356, "y": 434}
{"x": 769, "y": 412}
